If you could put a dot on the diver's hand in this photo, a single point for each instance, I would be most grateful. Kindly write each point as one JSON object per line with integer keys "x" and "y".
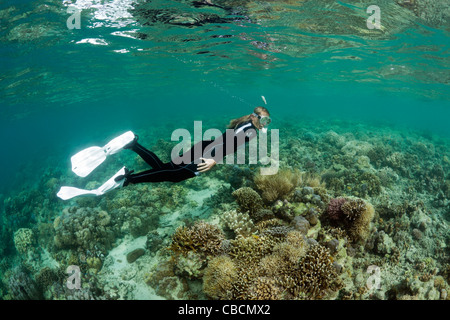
{"x": 206, "y": 165}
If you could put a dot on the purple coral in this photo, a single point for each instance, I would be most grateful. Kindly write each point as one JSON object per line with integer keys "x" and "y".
{"x": 335, "y": 208}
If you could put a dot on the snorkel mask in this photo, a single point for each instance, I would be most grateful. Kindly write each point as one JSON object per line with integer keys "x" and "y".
{"x": 264, "y": 121}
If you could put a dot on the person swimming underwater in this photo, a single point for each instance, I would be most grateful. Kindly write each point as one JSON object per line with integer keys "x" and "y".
{"x": 188, "y": 165}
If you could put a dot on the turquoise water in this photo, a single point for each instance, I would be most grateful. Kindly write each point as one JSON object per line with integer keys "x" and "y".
{"x": 156, "y": 66}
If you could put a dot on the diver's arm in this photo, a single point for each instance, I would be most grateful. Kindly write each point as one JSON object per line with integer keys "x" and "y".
{"x": 206, "y": 165}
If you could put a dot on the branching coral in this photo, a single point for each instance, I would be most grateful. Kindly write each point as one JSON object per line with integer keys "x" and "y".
{"x": 251, "y": 249}
{"x": 360, "y": 228}
{"x": 264, "y": 288}
{"x": 278, "y": 186}
{"x": 270, "y": 268}
{"x": 269, "y": 260}
{"x": 239, "y": 222}
{"x": 353, "y": 209}
{"x": 293, "y": 248}
{"x": 315, "y": 272}
{"x": 202, "y": 237}
{"x": 219, "y": 277}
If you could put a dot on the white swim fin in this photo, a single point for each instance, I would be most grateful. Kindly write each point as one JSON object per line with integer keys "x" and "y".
{"x": 85, "y": 161}
{"x": 67, "y": 193}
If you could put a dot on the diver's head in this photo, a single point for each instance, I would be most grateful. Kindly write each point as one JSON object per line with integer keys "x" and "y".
{"x": 261, "y": 118}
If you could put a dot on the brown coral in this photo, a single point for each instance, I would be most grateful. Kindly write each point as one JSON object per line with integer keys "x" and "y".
{"x": 353, "y": 209}
{"x": 86, "y": 228}
{"x": 361, "y": 226}
{"x": 316, "y": 273}
{"x": 277, "y": 264}
{"x": 354, "y": 215}
{"x": 248, "y": 200}
{"x": 260, "y": 268}
{"x": 264, "y": 288}
{"x": 202, "y": 236}
{"x": 251, "y": 249}
{"x": 219, "y": 276}
{"x": 293, "y": 249}
{"x": 278, "y": 186}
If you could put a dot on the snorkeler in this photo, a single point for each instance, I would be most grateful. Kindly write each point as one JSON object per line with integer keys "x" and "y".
{"x": 188, "y": 165}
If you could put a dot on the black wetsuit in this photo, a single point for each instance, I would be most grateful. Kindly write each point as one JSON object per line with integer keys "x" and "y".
{"x": 179, "y": 169}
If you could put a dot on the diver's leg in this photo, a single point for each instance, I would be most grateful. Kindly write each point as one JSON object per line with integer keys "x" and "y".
{"x": 148, "y": 156}
{"x": 168, "y": 172}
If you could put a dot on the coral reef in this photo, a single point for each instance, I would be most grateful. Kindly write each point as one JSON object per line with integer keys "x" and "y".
{"x": 267, "y": 260}
{"x": 22, "y": 286}
{"x": 355, "y": 215}
{"x": 248, "y": 200}
{"x": 219, "y": 277}
{"x": 202, "y": 236}
{"x": 23, "y": 240}
{"x": 86, "y": 228}
{"x": 258, "y": 268}
{"x": 237, "y": 235}
{"x": 316, "y": 273}
{"x": 277, "y": 186}
{"x": 239, "y": 222}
